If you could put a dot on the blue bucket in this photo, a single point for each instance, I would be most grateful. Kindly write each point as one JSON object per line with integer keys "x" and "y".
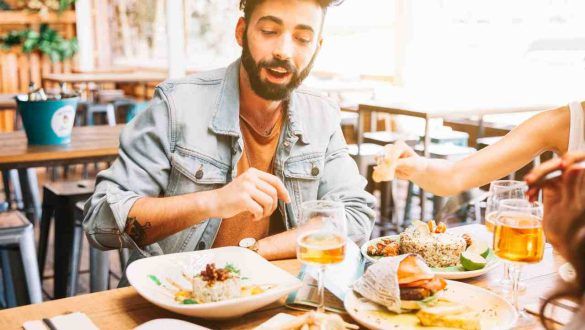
{"x": 48, "y": 122}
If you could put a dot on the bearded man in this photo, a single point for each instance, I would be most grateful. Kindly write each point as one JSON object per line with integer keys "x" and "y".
{"x": 214, "y": 157}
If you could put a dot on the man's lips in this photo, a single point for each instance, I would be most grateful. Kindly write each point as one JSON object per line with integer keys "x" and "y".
{"x": 278, "y": 74}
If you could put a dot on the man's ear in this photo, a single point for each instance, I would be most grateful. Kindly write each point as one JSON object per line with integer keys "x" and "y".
{"x": 240, "y": 30}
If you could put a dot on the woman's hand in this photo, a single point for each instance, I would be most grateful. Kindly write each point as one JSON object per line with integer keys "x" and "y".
{"x": 400, "y": 161}
{"x": 563, "y": 197}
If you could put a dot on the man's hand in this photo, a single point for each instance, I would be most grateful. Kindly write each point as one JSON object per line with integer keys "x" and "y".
{"x": 253, "y": 191}
{"x": 564, "y": 197}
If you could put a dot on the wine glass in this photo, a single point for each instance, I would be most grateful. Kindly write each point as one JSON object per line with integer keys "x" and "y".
{"x": 321, "y": 237}
{"x": 499, "y": 190}
{"x": 519, "y": 240}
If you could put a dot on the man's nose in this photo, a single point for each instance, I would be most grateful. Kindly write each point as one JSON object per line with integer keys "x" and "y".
{"x": 284, "y": 48}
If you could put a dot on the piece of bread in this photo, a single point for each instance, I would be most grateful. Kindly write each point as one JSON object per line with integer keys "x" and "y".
{"x": 386, "y": 165}
{"x": 452, "y": 316}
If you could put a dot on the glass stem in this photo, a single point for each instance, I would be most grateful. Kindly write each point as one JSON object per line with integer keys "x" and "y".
{"x": 515, "y": 271}
{"x": 321, "y": 289}
{"x": 506, "y": 277}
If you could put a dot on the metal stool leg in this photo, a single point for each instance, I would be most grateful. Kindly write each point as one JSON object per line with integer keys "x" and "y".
{"x": 10, "y": 295}
{"x": 124, "y": 255}
{"x": 18, "y": 198}
{"x": 6, "y": 185}
{"x": 46, "y": 219}
{"x": 34, "y": 191}
{"x": 75, "y": 260}
{"x": 111, "y": 114}
{"x": 99, "y": 265}
{"x": 29, "y": 261}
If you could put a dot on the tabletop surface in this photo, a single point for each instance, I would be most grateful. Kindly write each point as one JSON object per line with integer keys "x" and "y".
{"x": 120, "y": 77}
{"x": 125, "y": 309}
{"x": 87, "y": 142}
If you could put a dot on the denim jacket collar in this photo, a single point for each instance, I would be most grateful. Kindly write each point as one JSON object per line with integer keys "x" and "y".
{"x": 226, "y": 121}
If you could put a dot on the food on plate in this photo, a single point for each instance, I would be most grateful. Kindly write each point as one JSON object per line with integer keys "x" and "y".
{"x": 401, "y": 284}
{"x": 315, "y": 320}
{"x": 386, "y": 247}
{"x": 472, "y": 261}
{"x": 437, "y": 249}
{"x": 211, "y": 285}
{"x": 418, "y": 284}
{"x": 451, "y": 316}
{"x": 468, "y": 239}
{"x": 480, "y": 248}
{"x": 386, "y": 165}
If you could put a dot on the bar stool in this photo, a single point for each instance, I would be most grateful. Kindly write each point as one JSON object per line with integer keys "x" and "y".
{"x": 59, "y": 200}
{"x": 99, "y": 261}
{"x": 16, "y": 229}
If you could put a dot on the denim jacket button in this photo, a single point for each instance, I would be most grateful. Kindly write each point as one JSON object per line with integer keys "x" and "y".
{"x": 201, "y": 246}
{"x": 286, "y": 144}
{"x": 315, "y": 171}
{"x": 199, "y": 174}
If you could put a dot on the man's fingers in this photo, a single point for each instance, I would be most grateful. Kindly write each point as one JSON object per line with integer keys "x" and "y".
{"x": 253, "y": 207}
{"x": 270, "y": 191}
{"x": 539, "y": 172}
{"x": 264, "y": 200}
{"x": 277, "y": 184}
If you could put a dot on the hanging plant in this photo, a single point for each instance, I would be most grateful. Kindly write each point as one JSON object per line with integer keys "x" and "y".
{"x": 45, "y": 6}
{"x": 47, "y": 41}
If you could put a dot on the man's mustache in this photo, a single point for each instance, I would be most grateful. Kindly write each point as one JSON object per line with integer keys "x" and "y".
{"x": 276, "y": 63}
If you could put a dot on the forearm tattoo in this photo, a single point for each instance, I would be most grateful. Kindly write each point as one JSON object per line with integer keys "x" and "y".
{"x": 137, "y": 231}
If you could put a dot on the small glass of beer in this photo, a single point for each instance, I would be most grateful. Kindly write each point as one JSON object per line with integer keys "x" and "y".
{"x": 321, "y": 236}
{"x": 502, "y": 189}
{"x": 519, "y": 240}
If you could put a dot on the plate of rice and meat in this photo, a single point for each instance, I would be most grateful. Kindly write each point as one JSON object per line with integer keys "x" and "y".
{"x": 214, "y": 284}
{"x": 450, "y": 254}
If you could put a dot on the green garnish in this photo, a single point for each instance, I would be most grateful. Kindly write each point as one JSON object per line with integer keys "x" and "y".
{"x": 232, "y": 269}
{"x": 154, "y": 279}
{"x": 190, "y": 302}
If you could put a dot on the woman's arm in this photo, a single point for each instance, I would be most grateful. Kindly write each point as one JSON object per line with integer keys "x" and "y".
{"x": 545, "y": 131}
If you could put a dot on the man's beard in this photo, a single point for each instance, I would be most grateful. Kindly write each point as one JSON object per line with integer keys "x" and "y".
{"x": 266, "y": 89}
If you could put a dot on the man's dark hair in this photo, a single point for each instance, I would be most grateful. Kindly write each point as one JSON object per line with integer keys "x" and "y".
{"x": 248, "y": 6}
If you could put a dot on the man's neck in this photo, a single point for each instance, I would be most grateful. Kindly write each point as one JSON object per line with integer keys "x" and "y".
{"x": 260, "y": 113}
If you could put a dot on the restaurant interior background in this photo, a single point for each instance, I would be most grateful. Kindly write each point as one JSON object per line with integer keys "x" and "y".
{"x": 458, "y": 57}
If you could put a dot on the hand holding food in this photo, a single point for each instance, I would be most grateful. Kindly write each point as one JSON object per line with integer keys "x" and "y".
{"x": 398, "y": 159}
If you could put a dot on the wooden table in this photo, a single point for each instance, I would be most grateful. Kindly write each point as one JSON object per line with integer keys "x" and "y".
{"x": 100, "y": 78}
{"x": 125, "y": 309}
{"x": 88, "y": 144}
{"x": 7, "y": 101}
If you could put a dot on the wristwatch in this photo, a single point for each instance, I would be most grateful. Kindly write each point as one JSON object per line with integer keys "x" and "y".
{"x": 249, "y": 243}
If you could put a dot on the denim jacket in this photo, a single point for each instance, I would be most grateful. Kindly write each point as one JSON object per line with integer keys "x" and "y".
{"x": 189, "y": 140}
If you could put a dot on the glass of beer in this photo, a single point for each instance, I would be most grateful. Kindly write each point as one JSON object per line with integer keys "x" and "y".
{"x": 519, "y": 240}
{"x": 499, "y": 190}
{"x": 502, "y": 189}
{"x": 321, "y": 237}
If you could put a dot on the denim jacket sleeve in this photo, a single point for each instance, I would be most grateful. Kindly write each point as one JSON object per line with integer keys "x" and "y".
{"x": 141, "y": 169}
{"x": 342, "y": 182}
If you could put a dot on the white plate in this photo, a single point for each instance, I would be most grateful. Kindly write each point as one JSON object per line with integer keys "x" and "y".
{"x": 449, "y": 273}
{"x": 496, "y": 312}
{"x": 252, "y": 266}
{"x": 174, "y": 324}
{"x": 567, "y": 272}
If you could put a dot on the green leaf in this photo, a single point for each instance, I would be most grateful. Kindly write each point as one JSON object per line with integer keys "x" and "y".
{"x": 190, "y": 302}
{"x": 232, "y": 269}
{"x": 154, "y": 279}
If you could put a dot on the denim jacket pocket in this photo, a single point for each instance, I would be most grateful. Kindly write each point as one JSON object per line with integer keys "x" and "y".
{"x": 192, "y": 171}
{"x": 303, "y": 174}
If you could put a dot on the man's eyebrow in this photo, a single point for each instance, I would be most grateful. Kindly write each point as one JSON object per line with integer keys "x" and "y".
{"x": 271, "y": 18}
{"x": 280, "y": 22}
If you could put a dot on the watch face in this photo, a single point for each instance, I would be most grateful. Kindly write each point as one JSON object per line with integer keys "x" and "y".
{"x": 247, "y": 242}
